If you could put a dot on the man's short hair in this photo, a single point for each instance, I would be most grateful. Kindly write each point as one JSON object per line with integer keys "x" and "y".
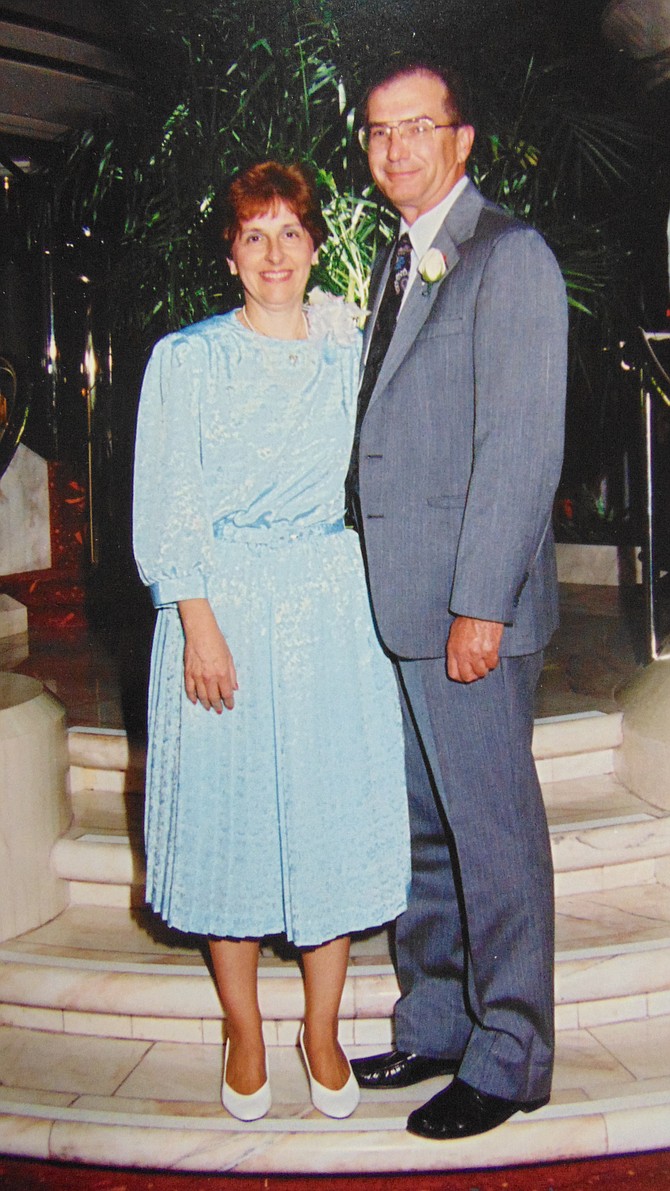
{"x": 459, "y": 103}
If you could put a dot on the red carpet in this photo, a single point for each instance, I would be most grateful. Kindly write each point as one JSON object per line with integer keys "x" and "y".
{"x": 635, "y": 1172}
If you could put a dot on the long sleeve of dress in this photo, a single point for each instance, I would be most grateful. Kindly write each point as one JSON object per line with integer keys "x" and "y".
{"x": 172, "y": 521}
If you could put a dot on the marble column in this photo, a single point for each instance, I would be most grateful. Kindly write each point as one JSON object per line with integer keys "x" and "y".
{"x": 34, "y": 805}
{"x": 643, "y": 761}
{"x": 25, "y": 542}
{"x": 13, "y": 617}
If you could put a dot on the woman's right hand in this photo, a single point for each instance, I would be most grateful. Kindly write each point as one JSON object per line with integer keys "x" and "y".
{"x": 209, "y": 670}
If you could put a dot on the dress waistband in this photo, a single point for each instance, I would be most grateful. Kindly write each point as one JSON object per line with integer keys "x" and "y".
{"x": 274, "y": 535}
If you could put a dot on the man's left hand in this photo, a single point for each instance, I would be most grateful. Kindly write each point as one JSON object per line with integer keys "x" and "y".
{"x": 472, "y": 648}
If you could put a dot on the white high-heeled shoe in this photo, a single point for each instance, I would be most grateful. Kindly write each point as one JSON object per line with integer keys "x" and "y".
{"x": 249, "y": 1107}
{"x": 340, "y": 1103}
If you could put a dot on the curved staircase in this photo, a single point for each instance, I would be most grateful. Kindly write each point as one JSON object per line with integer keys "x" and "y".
{"x": 111, "y": 1031}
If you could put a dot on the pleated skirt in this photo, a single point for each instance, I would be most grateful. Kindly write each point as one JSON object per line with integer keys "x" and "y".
{"x": 288, "y": 814}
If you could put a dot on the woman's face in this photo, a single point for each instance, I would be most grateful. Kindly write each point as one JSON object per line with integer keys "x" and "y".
{"x": 272, "y": 254}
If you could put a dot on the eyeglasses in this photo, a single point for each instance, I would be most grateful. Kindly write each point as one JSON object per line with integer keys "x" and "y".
{"x": 374, "y": 137}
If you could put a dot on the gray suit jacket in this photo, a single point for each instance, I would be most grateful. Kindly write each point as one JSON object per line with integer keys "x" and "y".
{"x": 462, "y": 442}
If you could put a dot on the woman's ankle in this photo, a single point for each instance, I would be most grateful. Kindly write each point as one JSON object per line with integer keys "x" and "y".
{"x": 246, "y": 1067}
{"x": 327, "y": 1060}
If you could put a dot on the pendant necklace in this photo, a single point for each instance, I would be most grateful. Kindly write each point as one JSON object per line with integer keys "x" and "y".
{"x": 293, "y": 358}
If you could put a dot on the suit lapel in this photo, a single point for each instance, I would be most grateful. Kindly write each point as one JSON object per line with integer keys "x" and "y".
{"x": 458, "y": 226}
{"x": 380, "y": 271}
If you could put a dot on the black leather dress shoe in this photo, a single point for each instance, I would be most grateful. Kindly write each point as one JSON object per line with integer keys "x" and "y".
{"x": 461, "y": 1111}
{"x": 397, "y": 1069}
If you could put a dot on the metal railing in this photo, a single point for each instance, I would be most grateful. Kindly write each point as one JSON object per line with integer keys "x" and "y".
{"x": 654, "y": 388}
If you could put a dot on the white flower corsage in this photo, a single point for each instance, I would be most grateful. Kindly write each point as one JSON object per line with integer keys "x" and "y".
{"x": 432, "y": 267}
{"x": 332, "y": 314}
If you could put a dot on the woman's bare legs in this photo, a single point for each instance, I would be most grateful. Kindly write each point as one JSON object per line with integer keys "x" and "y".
{"x": 325, "y": 970}
{"x": 235, "y": 964}
{"x": 236, "y": 970}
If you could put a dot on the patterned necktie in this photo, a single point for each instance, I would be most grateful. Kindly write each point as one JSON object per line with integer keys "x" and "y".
{"x": 381, "y": 337}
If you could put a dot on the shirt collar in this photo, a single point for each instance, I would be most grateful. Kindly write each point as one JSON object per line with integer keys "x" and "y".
{"x": 424, "y": 229}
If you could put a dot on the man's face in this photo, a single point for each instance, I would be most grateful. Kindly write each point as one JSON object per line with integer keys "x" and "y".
{"x": 416, "y": 176}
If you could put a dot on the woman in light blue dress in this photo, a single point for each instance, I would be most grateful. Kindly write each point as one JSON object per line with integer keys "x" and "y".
{"x": 275, "y": 798}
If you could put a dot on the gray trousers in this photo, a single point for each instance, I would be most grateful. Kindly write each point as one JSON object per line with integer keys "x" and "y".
{"x": 475, "y": 947}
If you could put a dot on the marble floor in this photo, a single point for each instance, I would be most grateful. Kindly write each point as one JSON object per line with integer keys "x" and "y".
{"x": 597, "y": 648}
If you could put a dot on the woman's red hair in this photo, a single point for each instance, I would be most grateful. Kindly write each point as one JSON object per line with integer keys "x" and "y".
{"x": 261, "y": 188}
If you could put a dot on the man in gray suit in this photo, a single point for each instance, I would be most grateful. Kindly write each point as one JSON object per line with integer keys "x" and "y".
{"x": 456, "y": 461}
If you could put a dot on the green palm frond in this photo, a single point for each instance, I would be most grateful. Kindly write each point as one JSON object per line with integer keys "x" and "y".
{"x": 358, "y": 228}
{"x": 245, "y": 84}
{"x": 554, "y": 159}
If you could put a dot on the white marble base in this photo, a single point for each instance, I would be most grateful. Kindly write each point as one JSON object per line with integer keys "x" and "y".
{"x": 25, "y": 531}
{"x": 643, "y": 761}
{"x": 609, "y": 566}
{"x": 13, "y": 651}
{"x": 13, "y": 617}
{"x": 34, "y": 809}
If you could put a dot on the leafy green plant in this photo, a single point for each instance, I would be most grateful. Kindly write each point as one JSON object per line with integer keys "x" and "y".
{"x": 155, "y": 181}
{"x": 239, "y": 83}
{"x": 358, "y": 227}
{"x": 550, "y": 159}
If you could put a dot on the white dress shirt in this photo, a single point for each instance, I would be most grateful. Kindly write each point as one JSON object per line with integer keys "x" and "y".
{"x": 424, "y": 230}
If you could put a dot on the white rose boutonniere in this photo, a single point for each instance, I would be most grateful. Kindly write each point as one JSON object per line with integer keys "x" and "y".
{"x": 432, "y": 267}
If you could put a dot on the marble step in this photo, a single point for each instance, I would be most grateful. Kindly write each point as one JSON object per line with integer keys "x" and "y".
{"x": 101, "y": 856}
{"x": 104, "y": 759}
{"x": 601, "y": 834}
{"x": 564, "y": 747}
{"x": 139, "y": 1103}
{"x": 122, "y": 973}
{"x": 111, "y": 1031}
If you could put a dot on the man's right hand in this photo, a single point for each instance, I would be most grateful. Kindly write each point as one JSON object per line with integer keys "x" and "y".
{"x": 472, "y": 648}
